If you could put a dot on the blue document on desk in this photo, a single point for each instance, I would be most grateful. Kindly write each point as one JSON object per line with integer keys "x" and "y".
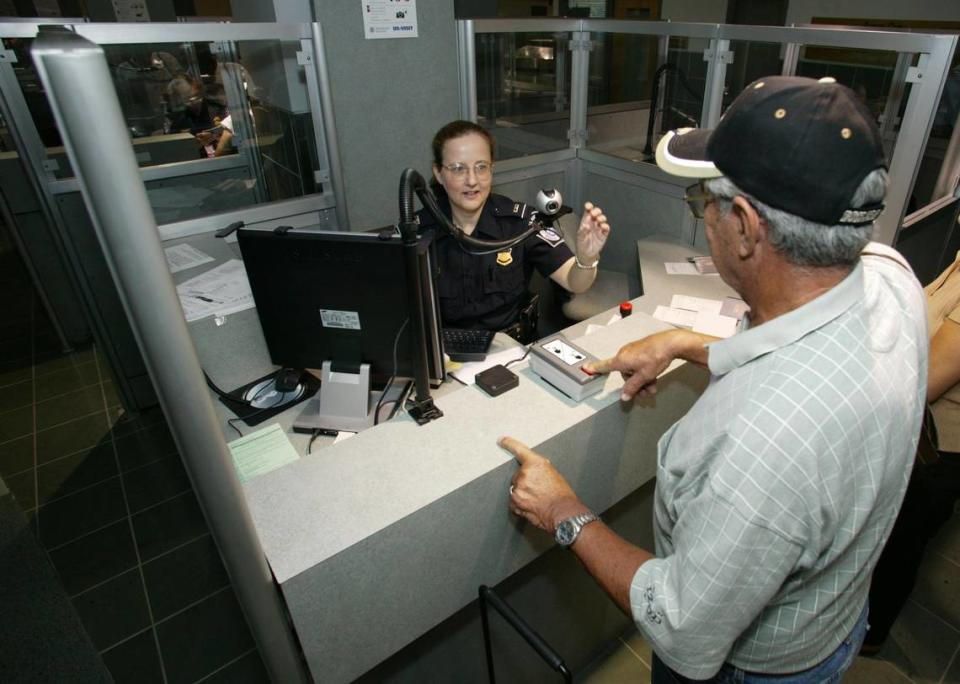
{"x": 261, "y": 451}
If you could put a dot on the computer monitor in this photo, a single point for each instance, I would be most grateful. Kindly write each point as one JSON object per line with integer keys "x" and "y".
{"x": 339, "y": 302}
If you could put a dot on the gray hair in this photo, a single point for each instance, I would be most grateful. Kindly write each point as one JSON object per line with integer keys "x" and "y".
{"x": 804, "y": 242}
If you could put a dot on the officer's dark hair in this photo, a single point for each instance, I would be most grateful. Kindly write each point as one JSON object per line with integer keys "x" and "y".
{"x": 457, "y": 129}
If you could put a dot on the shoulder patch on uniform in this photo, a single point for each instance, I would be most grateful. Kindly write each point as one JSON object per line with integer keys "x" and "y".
{"x": 550, "y": 236}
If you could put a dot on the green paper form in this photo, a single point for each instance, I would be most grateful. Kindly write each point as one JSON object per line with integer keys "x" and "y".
{"x": 261, "y": 451}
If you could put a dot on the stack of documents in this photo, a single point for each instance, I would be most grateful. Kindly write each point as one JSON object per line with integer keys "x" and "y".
{"x": 707, "y": 316}
{"x": 221, "y": 290}
{"x": 183, "y": 256}
{"x": 699, "y": 265}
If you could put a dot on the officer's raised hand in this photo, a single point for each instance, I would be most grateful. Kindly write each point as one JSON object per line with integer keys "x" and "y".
{"x": 592, "y": 234}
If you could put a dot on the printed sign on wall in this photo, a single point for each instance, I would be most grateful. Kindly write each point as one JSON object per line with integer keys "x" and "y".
{"x": 389, "y": 18}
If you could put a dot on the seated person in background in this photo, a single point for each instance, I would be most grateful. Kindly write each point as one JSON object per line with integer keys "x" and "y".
{"x": 225, "y": 144}
{"x": 488, "y": 291}
{"x": 934, "y": 486}
{"x": 191, "y": 111}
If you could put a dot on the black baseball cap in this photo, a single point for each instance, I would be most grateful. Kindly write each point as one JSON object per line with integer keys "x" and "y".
{"x": 796, "y": 144}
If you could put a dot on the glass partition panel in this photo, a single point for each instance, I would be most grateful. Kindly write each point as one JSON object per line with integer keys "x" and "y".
{"x": 752, "y": 59}
{"x": 193, "y": 102}
{"x": 672, "y": 91}
{"x": 869, "y": 73}
{"x": 523, "y": 91}
{"x": 6, "y": 139}
{"x": 622, "y": 71}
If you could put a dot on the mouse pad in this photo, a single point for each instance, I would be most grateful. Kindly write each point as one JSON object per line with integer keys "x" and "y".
{"x": 264, "y": 405}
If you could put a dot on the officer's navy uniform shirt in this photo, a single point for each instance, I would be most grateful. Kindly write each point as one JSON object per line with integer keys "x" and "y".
{"x": 488, "y": 291}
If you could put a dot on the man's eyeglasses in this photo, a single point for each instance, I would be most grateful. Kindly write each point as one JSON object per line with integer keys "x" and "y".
{"x": 481, "y": 169}
{"x": 697, "y": 199}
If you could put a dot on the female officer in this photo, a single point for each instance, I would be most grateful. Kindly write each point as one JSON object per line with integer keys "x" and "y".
{"x": 488, "y": 291}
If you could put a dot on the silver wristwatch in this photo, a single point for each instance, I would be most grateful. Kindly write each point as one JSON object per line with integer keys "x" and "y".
{"x": 569, "y": 529}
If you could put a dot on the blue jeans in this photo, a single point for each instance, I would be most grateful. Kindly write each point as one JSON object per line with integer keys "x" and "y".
{"x": 831, "y": 669}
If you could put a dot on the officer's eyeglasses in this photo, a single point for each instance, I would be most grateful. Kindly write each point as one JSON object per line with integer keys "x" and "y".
{"x": 458, "y": 170}
{"x": 697, "y": 198}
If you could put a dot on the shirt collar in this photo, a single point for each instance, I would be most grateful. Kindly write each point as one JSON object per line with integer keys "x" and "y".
{"x": 733, "y": 352}
{"x": 487, "y": 224}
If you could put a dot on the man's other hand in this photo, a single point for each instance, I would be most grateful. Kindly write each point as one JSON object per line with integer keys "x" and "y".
{"x": 538, "y": 492}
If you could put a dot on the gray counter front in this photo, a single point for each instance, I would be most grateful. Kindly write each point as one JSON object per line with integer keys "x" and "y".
{"x": 376, "y": 540}
{"x": 379, "y": 538}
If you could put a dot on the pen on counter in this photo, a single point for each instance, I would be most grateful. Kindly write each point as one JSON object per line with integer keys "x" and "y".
{"x": 205, "y": 299}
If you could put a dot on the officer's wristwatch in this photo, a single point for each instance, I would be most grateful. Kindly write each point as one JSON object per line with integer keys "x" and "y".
{"x": 569, "y": 529}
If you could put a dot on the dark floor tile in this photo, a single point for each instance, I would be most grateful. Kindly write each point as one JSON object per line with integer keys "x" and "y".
{"x": 16, "y": 349}
{"x": 82, "y": 402}
{"x": 114, "y": 610}
{"x": 54, "y": 362}
{"x": 67, "y": 380}
{"x": 81, "y": 434}
{"x": 95, "y": 558}
{"x": 72, "y": 473}
{"x": 66, "y": 519}
{"x": 16, "y": 423}
{"x": 145, "y": 446}
{"x": 14, "y": 371}
{"x": 110, "y": 394}
{"x": 155, "y": 482}
{"x": 45, "y": 342}
{"x": 14, "y": 327}
{"x": 135, "y": 661}
{"x": 126, "y": 423}
{"x": 184, "y": 576}
{"x": 168, "y": 525}
{"x": 16, "y": 455}
{"x": 203, "y": 638}
{"x": 16, "y": 395}
{"x": 248, "y": 669}
{"x": 23, "y": 488}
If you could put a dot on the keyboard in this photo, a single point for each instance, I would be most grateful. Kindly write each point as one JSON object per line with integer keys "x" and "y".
{"x": 466, "y": 345}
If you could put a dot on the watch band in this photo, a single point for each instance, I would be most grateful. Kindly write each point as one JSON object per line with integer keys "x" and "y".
{"x": 586, "y": 266}
{"x": 569, "y": 529}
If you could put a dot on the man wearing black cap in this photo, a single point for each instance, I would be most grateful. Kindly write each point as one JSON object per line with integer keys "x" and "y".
{"x": 776, "y": 491}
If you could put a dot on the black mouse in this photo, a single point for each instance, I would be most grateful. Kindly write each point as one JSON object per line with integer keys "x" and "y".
{"x": 287, "y": 379}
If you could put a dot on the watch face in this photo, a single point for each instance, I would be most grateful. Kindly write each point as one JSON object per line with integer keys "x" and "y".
{"x": 566, "y": 533}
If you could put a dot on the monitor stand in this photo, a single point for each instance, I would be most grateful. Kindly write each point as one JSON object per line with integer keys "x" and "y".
{"x": 346, "y": 402}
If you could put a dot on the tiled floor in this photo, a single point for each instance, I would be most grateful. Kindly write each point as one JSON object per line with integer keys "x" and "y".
{"x": 923, "y": 647}
{"x": 111, "y": 504}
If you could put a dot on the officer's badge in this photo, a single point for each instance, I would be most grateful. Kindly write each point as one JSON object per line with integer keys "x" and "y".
{"x": 505, "y": 258}
{"x": 550, "y": 236}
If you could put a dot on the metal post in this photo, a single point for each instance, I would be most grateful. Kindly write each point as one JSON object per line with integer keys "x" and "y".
{"x": 579, "y": 84}
{"x": 717, "y": 56}
{"x": 329, "y": 126}
{"x": 927, "y": 80}
{"x": 467, "y": 64}
{"x": 78, "y": 85}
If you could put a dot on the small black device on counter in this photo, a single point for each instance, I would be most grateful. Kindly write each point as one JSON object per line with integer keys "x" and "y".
{"x": 496, "y": 380}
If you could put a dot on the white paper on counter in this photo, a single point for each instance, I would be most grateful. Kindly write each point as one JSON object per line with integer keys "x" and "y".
{"x": 678, "y": 317}
{"x": 182, "y": 257}
{"x": 696, "y": 304}
{"x": 221, "y": 290}
{"x": 468, "y": 371}
{"x": 714, "y": 324}
{"x": 681, "y": 268}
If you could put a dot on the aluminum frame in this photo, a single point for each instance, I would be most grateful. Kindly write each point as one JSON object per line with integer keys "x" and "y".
{"x": 928, "y": 79}
{"x": 123, "y": 220}
{"x": 309, "y": 36}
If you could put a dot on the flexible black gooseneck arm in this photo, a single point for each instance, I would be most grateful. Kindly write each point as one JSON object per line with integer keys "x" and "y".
{"x": 423, "y": 410}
